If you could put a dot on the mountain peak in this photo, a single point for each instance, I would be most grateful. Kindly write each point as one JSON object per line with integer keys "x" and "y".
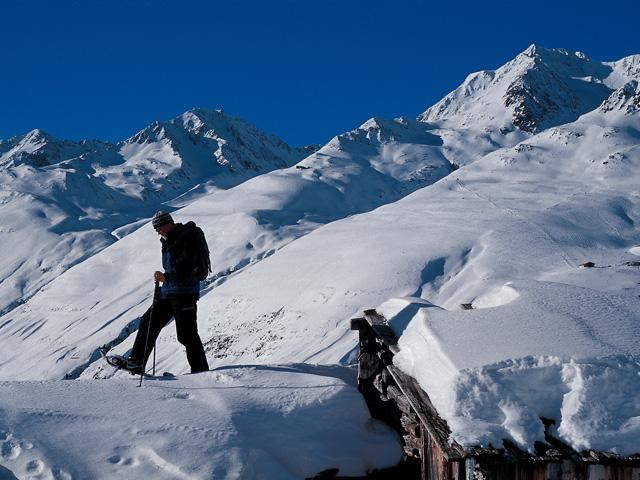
{"x": 538, "y": 89}
{"x": 625, "y": 99}
{"x": 201, "y": 119}
{"x": 197, "y": 146}
{"x": 36, "y": 148}
{"x": 36, "y": 136}
{"x": 205, "y": 112}
{"x": 535, "y": 50}
{"x": 532, "y": 50}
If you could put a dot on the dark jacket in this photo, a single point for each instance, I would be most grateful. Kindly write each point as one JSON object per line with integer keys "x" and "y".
{"x": 178, "y": 262}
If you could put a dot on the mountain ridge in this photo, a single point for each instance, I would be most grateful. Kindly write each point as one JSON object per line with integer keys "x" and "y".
{"x": 538, "y": 89}
{"x": 70, "y": 196}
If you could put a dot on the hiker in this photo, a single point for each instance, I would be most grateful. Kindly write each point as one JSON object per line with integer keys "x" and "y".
{"x": 177, "y": 296}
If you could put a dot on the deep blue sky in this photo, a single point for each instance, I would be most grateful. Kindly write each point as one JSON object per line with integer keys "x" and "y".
{"x": 304, "y": 70}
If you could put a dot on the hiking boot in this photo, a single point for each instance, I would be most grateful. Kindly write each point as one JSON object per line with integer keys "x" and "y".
{"x": 133, "y": 367}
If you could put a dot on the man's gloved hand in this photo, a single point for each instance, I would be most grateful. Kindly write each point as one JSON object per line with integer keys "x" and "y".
{"x": 158, "y": 276}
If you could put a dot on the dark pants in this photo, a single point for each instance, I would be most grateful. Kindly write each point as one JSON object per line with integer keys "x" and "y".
{"x": 157, "y": 317}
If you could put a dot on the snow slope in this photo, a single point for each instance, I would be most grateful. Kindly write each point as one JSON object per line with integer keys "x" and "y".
{"x": 279, "y": 422}
{"x": 560, "y": 339}
{"x": 507, "y": 233}
{"x": 65, "y": 323}
{"x": 63, "y": 201}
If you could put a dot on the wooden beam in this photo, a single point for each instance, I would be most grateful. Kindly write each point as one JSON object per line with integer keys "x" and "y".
{"x": 381, "y": 328}
{"x": 410, "y": 423}
{"x": 422, "y": 406}
{"x": 358, "y": 323}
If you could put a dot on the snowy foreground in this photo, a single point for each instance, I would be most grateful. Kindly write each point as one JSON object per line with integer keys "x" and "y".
{"x": 275, "y": 422}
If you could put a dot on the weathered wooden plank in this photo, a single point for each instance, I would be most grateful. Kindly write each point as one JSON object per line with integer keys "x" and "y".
{"x": 395, "y": 394}
{"x": 414, "y": 444}
{"x": 386, "y": 378}
{"x": 410, "y": 452}
{"x": 410, "y": 423}
{"x": 456, "y": 470}
{"x": 385, "y": 357}
{"x": 381, "y": 328}
{"x": 565, "y": 450}
{"x": 478, "y": 452}
{"x": 553, "y": 471}
{"x": 544, "y": 450}
{"x": 437, "y": 465}
{"x": 515, "y": 451}
{"x": 379, "y": 385}
{"x": 358, "y": 323}
{"x": 418, "y": 400}
{"x": 425, "y": 458}
{"x": 427, "y": 413}
{"x": 374, "y": 318}
{"x": 469, "y": 468}
{"x": 605, "y": 457}
{"x": 612, "y": 472}
{"x": 368, "y": 365}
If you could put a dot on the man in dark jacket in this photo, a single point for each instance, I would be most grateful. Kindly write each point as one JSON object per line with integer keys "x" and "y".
{"x": 175, "y": 299}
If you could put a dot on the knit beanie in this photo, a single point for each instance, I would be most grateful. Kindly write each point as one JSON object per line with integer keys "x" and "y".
{"x": 161, "y": 218}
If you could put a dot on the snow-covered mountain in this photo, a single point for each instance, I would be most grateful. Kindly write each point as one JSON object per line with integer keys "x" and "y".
{"x": 377, "y": 163}
{"x": 538, "y": 89}
{"x": 197, "y": 148}
{"x": 549, "y": 153}
{"x": 63, "y": 201}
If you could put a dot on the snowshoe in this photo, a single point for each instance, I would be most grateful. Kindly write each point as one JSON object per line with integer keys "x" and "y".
{"x": 122, "y": 363}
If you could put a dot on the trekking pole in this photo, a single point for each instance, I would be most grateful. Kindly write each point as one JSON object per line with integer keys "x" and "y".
{"x": 146, "y": 340}
{"x": 154, "y": 357}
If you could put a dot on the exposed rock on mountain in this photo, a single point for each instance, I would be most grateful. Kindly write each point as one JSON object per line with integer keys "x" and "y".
{"x": 200, "y": 146}
{"x": 538, "y": 89}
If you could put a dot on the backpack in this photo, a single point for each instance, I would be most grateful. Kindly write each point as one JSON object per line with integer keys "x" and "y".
{"x": 202, "y": 263}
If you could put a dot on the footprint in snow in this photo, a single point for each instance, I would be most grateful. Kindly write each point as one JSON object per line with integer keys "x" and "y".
{"x": 183, "y": 395}
{"x": 10, "y": 449}
{"x": 179, "y": 396}
{"x": 35, "y": 467}
{"x": 118, "y": 460}
{"x": 59, "y": 474}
